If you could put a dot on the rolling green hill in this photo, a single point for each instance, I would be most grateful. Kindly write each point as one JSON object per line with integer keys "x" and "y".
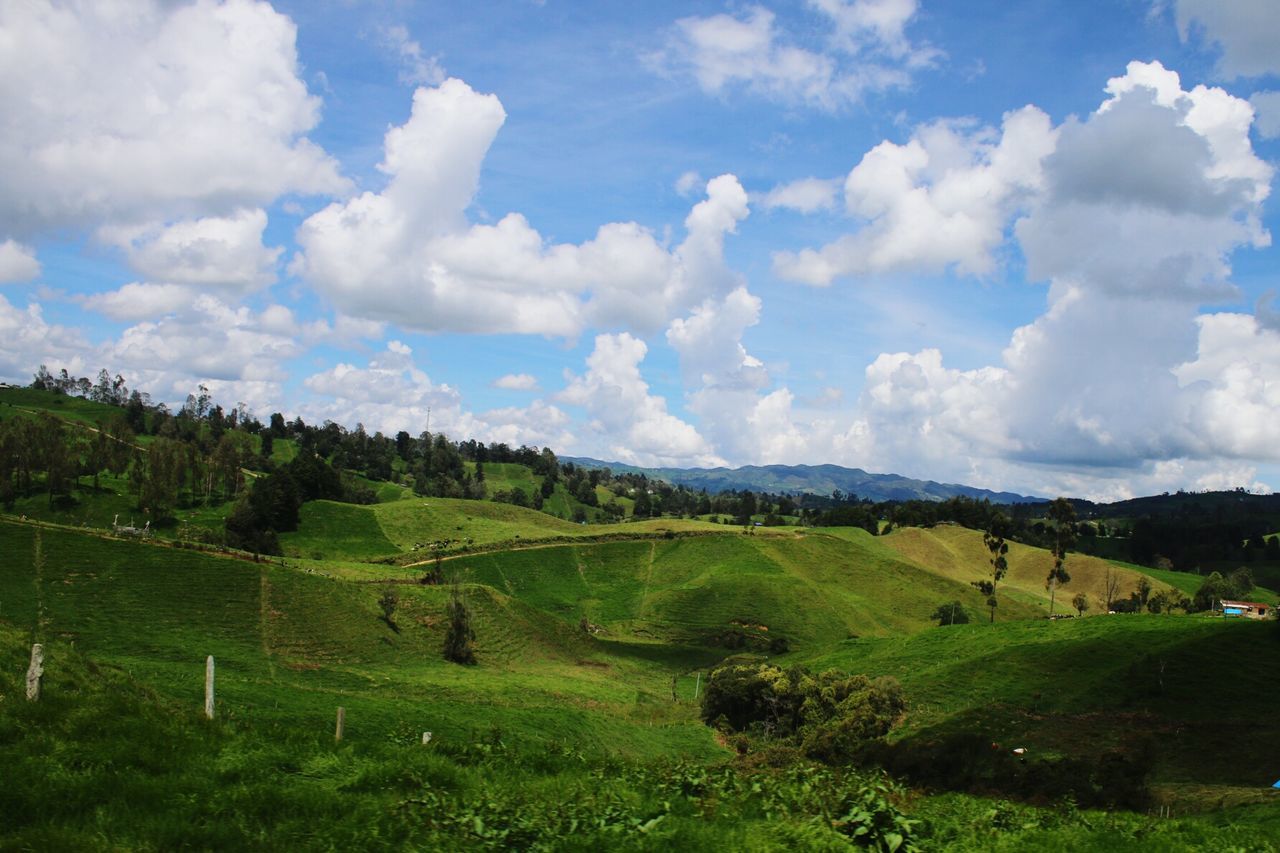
{"x": 1193, "y": 689}
{"x": 551, "y": 706}
{"x": 958, "y": 553}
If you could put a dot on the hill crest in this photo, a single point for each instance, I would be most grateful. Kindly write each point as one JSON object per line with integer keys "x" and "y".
{"x": 809, "y": 479}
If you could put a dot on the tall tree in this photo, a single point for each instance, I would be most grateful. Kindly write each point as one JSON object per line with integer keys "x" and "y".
{"x": 994, "y": 539}
{"x": 1111, "y": 585}
{"x": 1063, "y": 515}
{"x": 459, "y": 636}
{"x": 160, "y": 478}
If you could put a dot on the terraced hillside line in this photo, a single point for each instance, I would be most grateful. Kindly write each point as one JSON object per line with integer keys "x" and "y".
{"x": 264, "y": 620}
{"x": 648, "y": 575}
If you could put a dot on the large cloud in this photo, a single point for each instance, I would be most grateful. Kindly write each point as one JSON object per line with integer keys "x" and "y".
{"x": 146, "y": 111}
{"x": 1122, "y": 377}
{"x": 215, "y": 252}
{"x": 943, "y": 199}
{"x": 408, "y": 254}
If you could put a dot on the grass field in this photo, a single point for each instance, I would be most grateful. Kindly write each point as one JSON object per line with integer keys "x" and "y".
{"x": 293, "y": 645}
{"x": 1193, "y": 686}
{"x": 557, "y": 721}
{"x": 959, "y": 553}
{"x": 26, "y": 402}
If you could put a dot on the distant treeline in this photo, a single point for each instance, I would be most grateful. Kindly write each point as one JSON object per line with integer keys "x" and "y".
{"x": 201, "y": 454}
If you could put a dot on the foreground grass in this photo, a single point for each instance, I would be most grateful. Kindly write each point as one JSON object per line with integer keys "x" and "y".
{"x": 103, "y": 762}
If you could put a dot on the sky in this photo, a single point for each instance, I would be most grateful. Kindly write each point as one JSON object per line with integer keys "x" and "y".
{"x": 1023, "y": 246}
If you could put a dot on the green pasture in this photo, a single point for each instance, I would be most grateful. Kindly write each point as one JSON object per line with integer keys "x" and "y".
{"x": 1187, "y": 686}
{"x": 294, "y": 645}
{"x": 558, "y": 724}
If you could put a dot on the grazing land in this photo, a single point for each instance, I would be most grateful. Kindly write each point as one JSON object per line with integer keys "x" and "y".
{"x": 605, "y": 716}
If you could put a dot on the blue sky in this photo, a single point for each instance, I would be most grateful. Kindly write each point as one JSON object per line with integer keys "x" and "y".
{"x": 1024, "y": 246}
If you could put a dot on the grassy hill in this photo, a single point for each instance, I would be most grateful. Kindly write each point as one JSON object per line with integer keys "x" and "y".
{"x": 1196, "y": 690}
{"x": 554, "y": 714}
{"x": 959, "y": 553}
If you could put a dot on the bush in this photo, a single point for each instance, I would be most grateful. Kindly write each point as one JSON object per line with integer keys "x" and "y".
{"x": 829, "y": 715}
{"x": 951, "y": 613}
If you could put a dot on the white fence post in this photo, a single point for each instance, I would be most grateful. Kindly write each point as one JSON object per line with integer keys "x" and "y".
{"x": 208, "y": 687}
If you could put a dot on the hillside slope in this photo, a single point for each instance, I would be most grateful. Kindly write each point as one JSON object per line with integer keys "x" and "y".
{"x": 1191, "y": 689}
{"x": 959, "y": 553}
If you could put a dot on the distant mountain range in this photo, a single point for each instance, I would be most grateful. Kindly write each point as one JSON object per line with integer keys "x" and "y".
{"x": 808, "y": 479}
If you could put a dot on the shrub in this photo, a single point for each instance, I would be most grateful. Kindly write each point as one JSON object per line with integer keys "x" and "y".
{"x": 829, "y": 715}
{"x": 459, "y": 636}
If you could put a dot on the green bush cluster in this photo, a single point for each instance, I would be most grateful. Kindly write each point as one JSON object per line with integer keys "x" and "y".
{"x": 829, "y": 715}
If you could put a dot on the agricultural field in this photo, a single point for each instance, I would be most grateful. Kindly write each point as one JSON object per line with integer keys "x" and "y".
{"x": 592, "y": 643}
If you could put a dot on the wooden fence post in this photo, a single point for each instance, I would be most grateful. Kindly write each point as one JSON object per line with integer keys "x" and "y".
{"x": 208, "y": 687}
{"x": 342, "y": 719}
{"x": 35, "y": 673}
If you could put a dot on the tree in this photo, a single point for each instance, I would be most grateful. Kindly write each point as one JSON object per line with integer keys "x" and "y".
{"x": 161, "y": 478}
{"x": 1080, "y": 602}
{"x": 459, "y": 636}
{"x": 389, "y": 601}
{"x": 1063, "y": 514}
{"x": 1144, "y": 592}
{"x": 1111, "y": 585}
{"x": 994, "y": 539}
{"x": 951, "y": 613}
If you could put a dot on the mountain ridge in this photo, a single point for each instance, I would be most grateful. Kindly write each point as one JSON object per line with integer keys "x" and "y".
{"x": 809, "y": 479}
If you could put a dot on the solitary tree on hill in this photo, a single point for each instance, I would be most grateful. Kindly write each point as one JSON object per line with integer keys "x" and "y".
{"x": 1063, "y": 514}
{"x": 459, "y": 636}
{"x": 389, "y": 601}
{"x": 994, "y": 539}
{"x": 1080, "y": 602}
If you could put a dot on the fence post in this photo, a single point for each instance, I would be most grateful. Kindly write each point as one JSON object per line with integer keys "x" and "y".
{"x": 342, "y": 719}
{"x": 35, "y": 673}
{"x": 697, "y": 684}
{"x": 208, "y": 687}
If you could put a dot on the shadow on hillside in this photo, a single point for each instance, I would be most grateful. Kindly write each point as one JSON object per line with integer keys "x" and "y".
{"x": 1199, "y": 709}
{"x": 670, "y": 655}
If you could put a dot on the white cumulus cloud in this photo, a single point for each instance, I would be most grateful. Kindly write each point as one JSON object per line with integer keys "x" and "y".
{"x": 146, "y": 111}
{"x": 942, "y": 199}
{"x": 409, "y": 255}
{"x": 627, "y": 423}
